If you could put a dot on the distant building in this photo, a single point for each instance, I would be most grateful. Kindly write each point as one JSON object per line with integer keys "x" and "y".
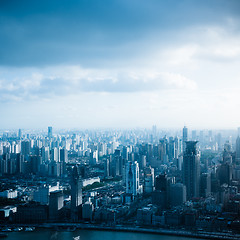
{"x": 50, "y": 133}
{"x": 184, "y": 138}
{"x": 19, "y": 133}
{"x": 238, "y": 150}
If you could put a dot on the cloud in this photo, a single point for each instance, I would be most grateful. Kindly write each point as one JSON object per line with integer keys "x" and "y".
{"x": 96, "y": 33}
{"x": 70, "y": 80}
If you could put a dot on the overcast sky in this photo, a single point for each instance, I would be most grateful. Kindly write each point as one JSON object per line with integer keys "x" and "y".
{"x": 119, "y": 63}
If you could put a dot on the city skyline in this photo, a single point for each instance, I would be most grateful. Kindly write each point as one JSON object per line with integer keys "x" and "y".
{"x": 89, "y": 64}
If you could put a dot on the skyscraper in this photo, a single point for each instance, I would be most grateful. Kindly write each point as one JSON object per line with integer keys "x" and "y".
{"x": 76, "y": 193}
{"x": 19, "y": 133}
{"x": 184, "y": 138}
{"x": 132, "y": 178}
{"x": 49, "y": 132}
{"x": 238, "y": 150}
{"x": 191, "y": 169}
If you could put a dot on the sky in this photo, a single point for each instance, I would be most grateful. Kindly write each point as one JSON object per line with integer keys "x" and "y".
{"x": 119, "y": 64}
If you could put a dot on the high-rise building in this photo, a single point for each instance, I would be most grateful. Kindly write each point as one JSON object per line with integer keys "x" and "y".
{"x": 25, "y": 147}
{"x": 184, "y": 138}
{"x": 63, "y": 155}
{"x": 132, "y": 178}
{"x": 19, "y": 133}
{"x": 149, "y": 180}
{"x": 55, "y": 155}
{"x": 55, "y": 204}
{"x": 205, "y": 184}
{"x": 76, "y": 193}
{"x": 191, "y": 169}
{"x": 177, "y": 194}
{"x": 106, "y": 167}
{"x": 171, "y": 149}
{"x": 237, "y": 150}
{"x": 50, "y": 132}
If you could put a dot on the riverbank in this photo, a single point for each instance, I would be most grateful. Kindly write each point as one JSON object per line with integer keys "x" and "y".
{"x": 137, "y": 229}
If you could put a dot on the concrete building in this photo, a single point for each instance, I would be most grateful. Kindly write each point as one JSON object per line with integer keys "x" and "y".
{"x": 76, "y": 193}
{"x": 191, "y": 169}
{"x": 132, "y": 178}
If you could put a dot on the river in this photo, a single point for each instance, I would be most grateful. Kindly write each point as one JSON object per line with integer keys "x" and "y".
{"x": 89, "y": 235}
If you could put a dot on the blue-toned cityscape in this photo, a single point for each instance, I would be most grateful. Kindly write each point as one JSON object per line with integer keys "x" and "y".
{"x": 119, "y": 119}
{"x": 168, "y": 181}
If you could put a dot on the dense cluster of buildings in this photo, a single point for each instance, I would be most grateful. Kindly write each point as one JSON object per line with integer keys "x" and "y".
{"x": 141, "y": 177}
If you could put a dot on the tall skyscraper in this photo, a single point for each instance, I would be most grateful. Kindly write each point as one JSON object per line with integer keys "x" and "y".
{"x": 238, "y": 150}
{"x": 184, "y": 138}
{"x": 76, "y": 193}
{"x": 49, "y": 132}
{"x": 132, "y": 178}
{"x": 20, "y": 133}
{"x": 191, "y": 169}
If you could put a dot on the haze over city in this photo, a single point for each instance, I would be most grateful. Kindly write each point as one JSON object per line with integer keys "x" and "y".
{"x": 122, "y": 64}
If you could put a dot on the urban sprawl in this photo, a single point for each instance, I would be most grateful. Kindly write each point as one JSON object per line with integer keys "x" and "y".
{"x": 149, "y": 178}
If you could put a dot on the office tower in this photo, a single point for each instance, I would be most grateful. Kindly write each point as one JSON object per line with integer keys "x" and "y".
{"x": 177, "y": 194}
{"x": 106, "y": 167}
{"x": 55, "y": 155}
{"x": 132, "y": 178}
{"x": 205, "y": 184}
{"x": 224, "y": 173}
{"x": 19, "y": 163}
{"x": 50, "y": 132}
{"x": 238, "y": 150}
{"x": 76, "y": 193}
{"x": 93, "y": 157}
{"x": 171, "y": 149}
{"x": 55, "y": 204}
{"x": 184, "y": 138}
{"x": 64, "y": 155}
{"x": 161, "y": 182}
{"x": 35, "y": 162}
{"x": 25, "y": 147}
{"x": 19, "y": 133}
{"x": 191, "y": 169}
{"x": 176, "y": 142}
{"x": 117, "y": 163}
{"x": 63, "y": 159}
{"x": 45, "y": 154}
{"x": 161, "y": 195}
{"x": 149, "y": 180}
{"x": 125, "y": 152}
{"x": 163, "y": 150}
{"x": 54, "y": 169}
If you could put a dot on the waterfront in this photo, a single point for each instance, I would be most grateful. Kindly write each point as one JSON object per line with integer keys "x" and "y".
{"x": 89, "y": 235}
